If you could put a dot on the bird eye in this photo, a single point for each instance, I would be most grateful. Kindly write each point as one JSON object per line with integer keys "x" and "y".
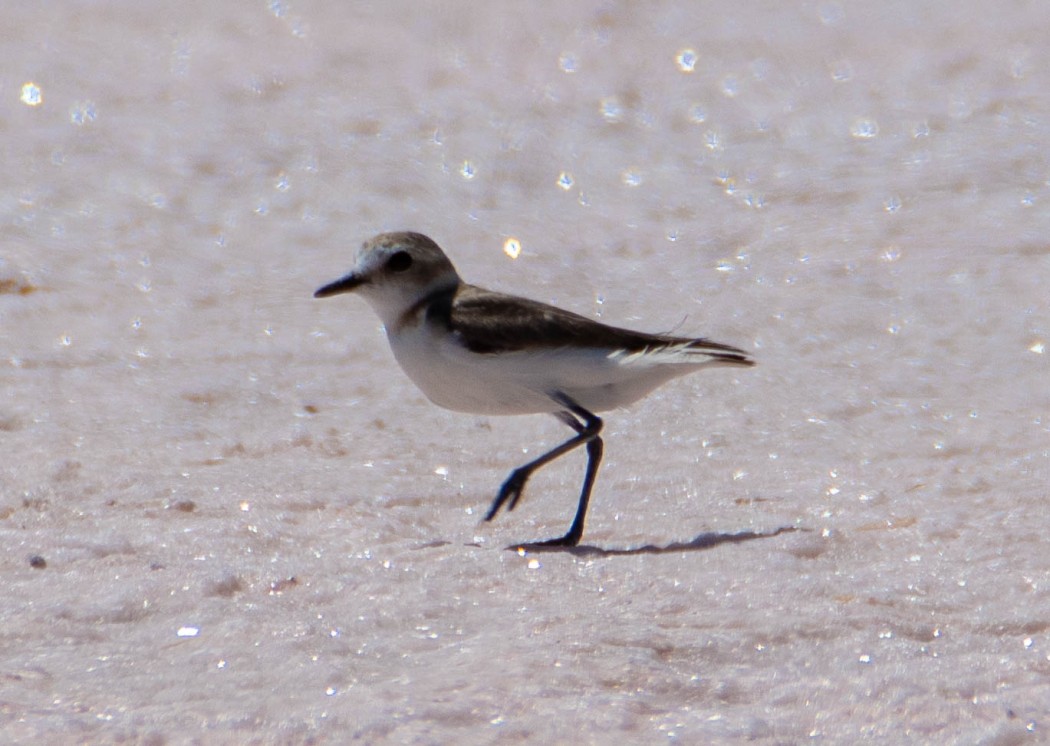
{"x": 399, "y": 262}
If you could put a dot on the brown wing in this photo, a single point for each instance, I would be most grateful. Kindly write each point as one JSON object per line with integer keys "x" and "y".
{"x": 488, "y": 322}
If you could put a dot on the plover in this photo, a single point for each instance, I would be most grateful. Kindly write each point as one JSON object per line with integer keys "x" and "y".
{"x": 474, "y": 350}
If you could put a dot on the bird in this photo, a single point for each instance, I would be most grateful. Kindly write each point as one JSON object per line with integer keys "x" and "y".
{"x": 474, "y": 350}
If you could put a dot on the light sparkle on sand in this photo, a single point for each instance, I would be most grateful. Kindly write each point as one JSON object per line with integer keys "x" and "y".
{"x": 192, "y": 444}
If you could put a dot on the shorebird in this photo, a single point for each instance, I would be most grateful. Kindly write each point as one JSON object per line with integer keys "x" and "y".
{"x": 474, "y": 350}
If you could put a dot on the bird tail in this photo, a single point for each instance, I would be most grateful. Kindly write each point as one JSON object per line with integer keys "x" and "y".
{"x": 674, "y": 351}
{"x": 717, "y": 351}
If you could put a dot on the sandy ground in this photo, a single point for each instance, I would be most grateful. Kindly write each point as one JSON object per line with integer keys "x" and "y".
{"x": 227, "y": 517}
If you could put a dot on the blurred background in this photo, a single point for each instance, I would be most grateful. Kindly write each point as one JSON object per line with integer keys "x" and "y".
{"x": 227, "y": 516}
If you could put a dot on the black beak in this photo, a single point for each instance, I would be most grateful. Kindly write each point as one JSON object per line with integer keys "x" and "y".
{"x": 342, "y": 285}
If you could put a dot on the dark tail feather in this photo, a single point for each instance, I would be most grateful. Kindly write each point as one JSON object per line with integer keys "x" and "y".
{"x": 721, "y": 352}
{"x": 732, "y": 358}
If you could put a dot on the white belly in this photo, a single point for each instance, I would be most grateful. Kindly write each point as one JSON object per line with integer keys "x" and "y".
{"x": 525, "y": 382}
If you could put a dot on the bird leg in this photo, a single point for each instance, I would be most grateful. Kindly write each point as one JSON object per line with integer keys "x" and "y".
{"x": 587, "y": 426}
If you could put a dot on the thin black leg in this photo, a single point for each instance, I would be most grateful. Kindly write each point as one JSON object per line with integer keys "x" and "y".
{"x": 587, "y": 426}
{"x": 594, "y": 458}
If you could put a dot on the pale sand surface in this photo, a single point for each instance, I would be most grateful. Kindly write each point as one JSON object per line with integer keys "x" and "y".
{"x": 858, "y": 196}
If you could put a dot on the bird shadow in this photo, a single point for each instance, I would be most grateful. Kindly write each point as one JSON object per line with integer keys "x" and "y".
{"x": 699, "y": 543}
